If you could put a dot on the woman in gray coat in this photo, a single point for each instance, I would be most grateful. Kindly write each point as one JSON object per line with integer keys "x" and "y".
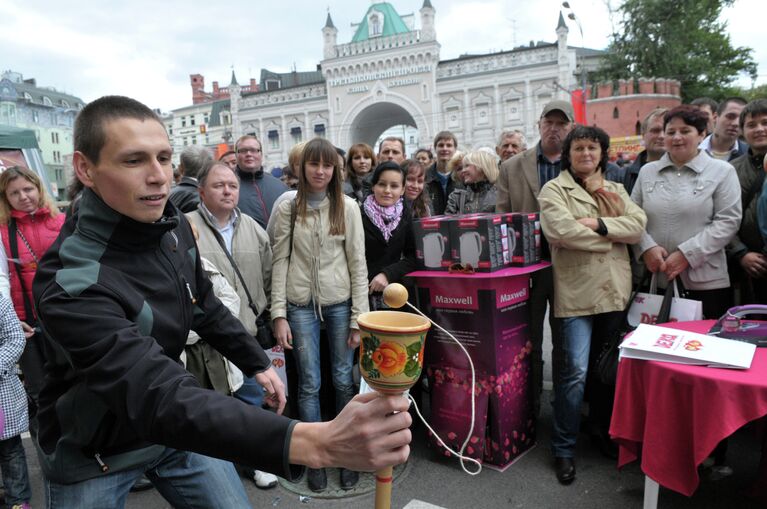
{"x": 693, "y": 208}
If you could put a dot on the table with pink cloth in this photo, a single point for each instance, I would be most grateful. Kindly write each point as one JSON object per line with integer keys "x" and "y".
{"x": 677, "y": 414}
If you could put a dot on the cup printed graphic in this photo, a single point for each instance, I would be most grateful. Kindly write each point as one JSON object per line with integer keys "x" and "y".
{"x": 471, "y": 248}
{"x": 433, "y": 249}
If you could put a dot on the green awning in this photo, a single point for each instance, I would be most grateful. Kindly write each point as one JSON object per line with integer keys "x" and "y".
{"x": 14, "y": 137}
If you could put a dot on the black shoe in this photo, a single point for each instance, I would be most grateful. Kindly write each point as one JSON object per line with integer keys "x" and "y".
{"x": 606, "y": 446}
{"x": 565, "y": 469}
{"x": 317, "y": 479}
{"x": 349, "y": 479}
{"x": 142, "y": 484}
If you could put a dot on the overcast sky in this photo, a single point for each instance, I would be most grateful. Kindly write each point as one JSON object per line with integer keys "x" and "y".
{"x": 147, "y": 49}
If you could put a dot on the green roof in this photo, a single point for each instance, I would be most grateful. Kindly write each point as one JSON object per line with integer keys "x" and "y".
{"x": 392, "y": 22}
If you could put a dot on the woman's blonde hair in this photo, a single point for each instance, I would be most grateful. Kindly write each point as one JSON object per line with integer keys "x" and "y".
{"x": 452, "y": 166}
{"x": 485, "y": 161}
{"x": 11, "y": 174}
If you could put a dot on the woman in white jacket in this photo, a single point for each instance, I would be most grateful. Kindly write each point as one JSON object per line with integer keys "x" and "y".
{"x": 319, "y": 276}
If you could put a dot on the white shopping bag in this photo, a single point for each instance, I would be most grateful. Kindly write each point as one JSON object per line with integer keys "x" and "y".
{"x": 646, "y": 307}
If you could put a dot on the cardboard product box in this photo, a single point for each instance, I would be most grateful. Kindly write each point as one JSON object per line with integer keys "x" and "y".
{"x": 534, "y": 237}
{"x": 450, "y": 401}
{"x": 537, "y": 238}
{"x": 432, "y": 242}
{"x": 476, "y": 239}
{"x": 489, "y": 316}
{"x": 519, "y": 234}
{"x": 504, "y": 427}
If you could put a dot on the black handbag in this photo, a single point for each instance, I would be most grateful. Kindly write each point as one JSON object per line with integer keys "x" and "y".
{"x": 607, "y": 360}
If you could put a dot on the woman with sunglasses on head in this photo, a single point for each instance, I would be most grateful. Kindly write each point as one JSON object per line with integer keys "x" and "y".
{"x": 319, "y": 277}
{"x": 29, "y": 223}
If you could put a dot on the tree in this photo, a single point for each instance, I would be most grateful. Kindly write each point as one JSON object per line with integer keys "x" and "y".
{"x": 683, "y": 40}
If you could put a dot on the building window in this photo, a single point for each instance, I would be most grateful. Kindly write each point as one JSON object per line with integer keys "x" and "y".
{"x": 194, "y": 140}
{"x": 191, "y": 121}
{"x": 35, "y": 117}
{"x": 47, "y": 101}
{"x": 295, "y": 134}
{"x": 183, "y": 121}
{"x": 615, "y": 113}
{"x": 274, "y": 139}
{"x": 186, "y": 141}
{"x": 319, "y": 130}
{"x": 273, "y": 84}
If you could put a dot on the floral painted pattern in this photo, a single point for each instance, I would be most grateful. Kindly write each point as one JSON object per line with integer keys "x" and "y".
{"x": 386, "y": 359}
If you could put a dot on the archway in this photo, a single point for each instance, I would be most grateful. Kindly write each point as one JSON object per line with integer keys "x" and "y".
{"x": 375, "y": 119}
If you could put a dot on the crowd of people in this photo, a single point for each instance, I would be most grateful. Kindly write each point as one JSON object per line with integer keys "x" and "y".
{"x": 126, "y": 288}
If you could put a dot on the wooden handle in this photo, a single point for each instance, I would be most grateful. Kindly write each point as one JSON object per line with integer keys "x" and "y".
{"x": 383, "y": 488}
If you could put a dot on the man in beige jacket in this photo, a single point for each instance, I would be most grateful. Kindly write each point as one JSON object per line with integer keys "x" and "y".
{"x": 520, "y": 180}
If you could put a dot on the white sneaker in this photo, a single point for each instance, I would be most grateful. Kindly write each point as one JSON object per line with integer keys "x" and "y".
{"x": 264, "y": 480}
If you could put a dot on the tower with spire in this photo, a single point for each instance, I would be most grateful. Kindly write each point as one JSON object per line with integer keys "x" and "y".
{"x": 329, "y": 38}
{"x": 428, "y": 33}
{"x": 235, "y": 95}
{"x": 564, "y": 70}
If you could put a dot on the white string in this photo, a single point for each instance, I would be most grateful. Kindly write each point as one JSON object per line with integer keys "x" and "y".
{"x": 473, "y": 409}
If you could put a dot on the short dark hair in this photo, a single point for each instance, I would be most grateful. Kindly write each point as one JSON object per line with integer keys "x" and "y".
{"x": 755, "y": 107}
{"x": 387, "y": 166}
{"x": 705, "y": 101}
{"x": 89, "y": 134}
{"x": 194, "y": 159}
{"x": 227, "y": 153}
{"x": 583, "y": 132}
{"x": 393, "y": 138}
{"x": 734, "y": 99}
{"x": 690, "y": 115}
{"x": 445, "y": 135}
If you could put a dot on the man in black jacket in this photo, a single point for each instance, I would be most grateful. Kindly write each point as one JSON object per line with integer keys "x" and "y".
{"x": 117, "y": 295}
{"x": 438, "y": 184}
{"x": 192, "y": 161}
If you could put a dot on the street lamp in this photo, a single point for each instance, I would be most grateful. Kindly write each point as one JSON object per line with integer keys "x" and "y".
{"x": 571, "y": 15}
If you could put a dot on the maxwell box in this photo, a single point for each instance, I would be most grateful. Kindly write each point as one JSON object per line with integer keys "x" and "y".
{"x": 476, "y": 239}
{"x": 504, "y": 427}
{"x": 489, "y": 316}
{"x": 521, "y": 238}
{"x": 432, "y": 242}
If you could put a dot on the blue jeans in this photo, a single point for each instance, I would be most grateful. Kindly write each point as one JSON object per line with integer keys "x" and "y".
{"x": 184, "y": 479}
{"x": 13, "y": 463}
{"x": 251, "y": 392}
{"x": 570, "y": 383}
{"x": 305, "y": 327}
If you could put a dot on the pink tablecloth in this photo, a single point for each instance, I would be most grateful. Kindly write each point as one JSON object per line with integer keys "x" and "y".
{"x": 677, "y": 414}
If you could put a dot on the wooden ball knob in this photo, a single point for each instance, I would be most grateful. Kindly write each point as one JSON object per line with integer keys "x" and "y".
{"x": 395, "y": 295}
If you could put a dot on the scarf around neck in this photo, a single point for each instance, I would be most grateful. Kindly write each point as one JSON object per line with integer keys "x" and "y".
{"x": 610, "y": 204}
{"x": 386, "y": 219}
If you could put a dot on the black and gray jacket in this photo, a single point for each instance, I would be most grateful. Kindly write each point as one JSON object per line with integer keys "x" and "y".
{"x": 117, "y": 299}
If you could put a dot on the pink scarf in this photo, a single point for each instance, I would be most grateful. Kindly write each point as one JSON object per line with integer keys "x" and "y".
{"x": 386, "y": 219}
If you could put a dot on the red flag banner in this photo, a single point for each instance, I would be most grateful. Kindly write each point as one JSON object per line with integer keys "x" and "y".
{"x": 579, "y": 105}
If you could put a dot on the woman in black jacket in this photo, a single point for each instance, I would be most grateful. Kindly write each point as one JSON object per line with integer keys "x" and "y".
{"x": 387, "y": 222}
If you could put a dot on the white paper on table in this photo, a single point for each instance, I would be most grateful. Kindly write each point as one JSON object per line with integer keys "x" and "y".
{"x": 654, "y": 343}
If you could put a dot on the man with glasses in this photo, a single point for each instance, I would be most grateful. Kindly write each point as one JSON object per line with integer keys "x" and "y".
{"x": 259, "y": 189}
